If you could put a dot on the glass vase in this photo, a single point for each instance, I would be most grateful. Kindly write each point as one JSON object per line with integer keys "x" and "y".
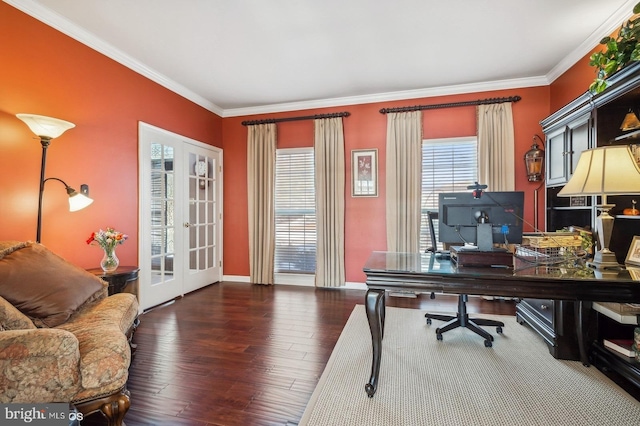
{"x": 110, "y": 261}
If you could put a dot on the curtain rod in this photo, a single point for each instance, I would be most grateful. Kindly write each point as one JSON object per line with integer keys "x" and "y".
{"x": 451, "y": 104}
{"x": 306, "y": 117}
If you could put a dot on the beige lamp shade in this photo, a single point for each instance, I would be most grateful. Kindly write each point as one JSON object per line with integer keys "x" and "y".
{"x": 608, "y": 170}
{"x": 47, "y": 127}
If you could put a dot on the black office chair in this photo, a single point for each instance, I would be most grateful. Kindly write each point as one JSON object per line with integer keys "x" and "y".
{"x": 462, "y": 318}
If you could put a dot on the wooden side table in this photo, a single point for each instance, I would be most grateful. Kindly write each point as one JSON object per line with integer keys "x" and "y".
{"x": 118, "y": 279}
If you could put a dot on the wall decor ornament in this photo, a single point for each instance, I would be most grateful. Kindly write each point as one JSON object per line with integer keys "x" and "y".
{"x": 364, "y": 173}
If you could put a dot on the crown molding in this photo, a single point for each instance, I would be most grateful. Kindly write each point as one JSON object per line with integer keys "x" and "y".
{"x": 391, "y": 96}
{"x": 609, "y": 26}
{"x": 54, "y": 20}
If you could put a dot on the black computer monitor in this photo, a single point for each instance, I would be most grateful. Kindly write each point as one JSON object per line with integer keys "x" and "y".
{"x": 500, "y": 214}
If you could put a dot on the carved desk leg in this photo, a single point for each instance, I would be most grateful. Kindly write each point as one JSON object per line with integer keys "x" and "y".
{"x": 375, "y": 307}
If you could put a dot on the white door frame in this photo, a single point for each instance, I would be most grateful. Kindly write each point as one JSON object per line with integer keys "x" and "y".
{"x": 181, "y": 144}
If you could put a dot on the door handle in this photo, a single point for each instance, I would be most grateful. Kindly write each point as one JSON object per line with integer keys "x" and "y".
{"x": 187, "y": 224}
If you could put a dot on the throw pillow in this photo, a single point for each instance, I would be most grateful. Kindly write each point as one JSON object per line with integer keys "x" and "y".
{"x": 44, "y": 286}
{"x": 13, "y": 319}
{"x": 7, "y": 247}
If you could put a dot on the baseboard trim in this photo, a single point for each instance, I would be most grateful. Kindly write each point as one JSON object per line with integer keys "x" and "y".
{"x": 235, "y": 278}
{"x": 301, "y": 280}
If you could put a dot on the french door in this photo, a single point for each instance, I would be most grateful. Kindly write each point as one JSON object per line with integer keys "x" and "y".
{"x": 180, "y": 215}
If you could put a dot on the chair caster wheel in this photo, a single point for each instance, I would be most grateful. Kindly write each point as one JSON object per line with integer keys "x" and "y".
{"x": 499, "y": 330}
{"x": 439, "y": 336}
{"x": 429, "y": 321}
{"x": 487, "y": 343}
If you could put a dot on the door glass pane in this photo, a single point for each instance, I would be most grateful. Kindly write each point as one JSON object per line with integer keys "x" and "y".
{"x": 168, "y": 264}
{"x": 210, "y": 257}
{"x": 162, "y": 212}
{"x": 192, "y": 237}
{"x": 193, "y": 214}
{"x": 170, "y": 213}
{"x": 193, "y": 261}
{"x": 201, "y": 211}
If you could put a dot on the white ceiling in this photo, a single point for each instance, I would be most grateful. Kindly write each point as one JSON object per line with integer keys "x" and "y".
{"x": 240, "y": 57}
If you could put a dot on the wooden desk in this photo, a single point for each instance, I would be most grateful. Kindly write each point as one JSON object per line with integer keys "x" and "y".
{"x": 422, "y": 272}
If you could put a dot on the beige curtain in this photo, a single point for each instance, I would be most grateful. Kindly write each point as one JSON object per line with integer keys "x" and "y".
{"x": 261, "y": 172}
{"x": 330, "y": 181}
{"x": 403, "y": 181}
{"x": 496, "y": 167}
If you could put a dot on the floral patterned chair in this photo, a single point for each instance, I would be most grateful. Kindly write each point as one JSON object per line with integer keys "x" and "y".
{"x": 62, "y": 339}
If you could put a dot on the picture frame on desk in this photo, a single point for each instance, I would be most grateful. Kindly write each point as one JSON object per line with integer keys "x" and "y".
{"x": 633, "y": 255}
{"x": 634, "y": 273}
{"x": 364, "y": 173}
{"x": 635, "y": 150}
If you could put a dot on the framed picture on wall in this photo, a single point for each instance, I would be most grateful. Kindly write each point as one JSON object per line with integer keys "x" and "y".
{"x": 364, "y": 173}
{"x": 633, "y": 256}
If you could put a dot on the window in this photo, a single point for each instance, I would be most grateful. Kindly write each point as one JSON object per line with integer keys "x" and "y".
{"x": 448, "y": 165}
{"x": 295, "y": 211}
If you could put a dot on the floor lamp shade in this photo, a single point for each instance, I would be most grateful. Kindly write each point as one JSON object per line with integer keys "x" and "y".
{"x": 608, "y": 170}
{"x": 77, "y": 200}
{"x": 47, "y": 127}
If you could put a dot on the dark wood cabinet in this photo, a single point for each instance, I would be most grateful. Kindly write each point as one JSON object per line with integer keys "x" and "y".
{"x": 556, "y": 170}
{"x": 565, "y": 142}
{"x": 587, "y": 122}
{"x": 610, "y": 322}
{"x": 568, "y": 132}
{"x": 554, "y": 320}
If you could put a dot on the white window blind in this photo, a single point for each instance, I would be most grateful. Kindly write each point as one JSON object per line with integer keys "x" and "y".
{"x": 448, "y": 165}
{"x": 295, "y": 211}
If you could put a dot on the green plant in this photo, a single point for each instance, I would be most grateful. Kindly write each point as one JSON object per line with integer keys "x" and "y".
{"x": 618, "y": 52}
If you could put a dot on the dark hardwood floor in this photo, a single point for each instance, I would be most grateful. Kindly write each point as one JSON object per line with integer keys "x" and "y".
{"x": 242, "y": 354}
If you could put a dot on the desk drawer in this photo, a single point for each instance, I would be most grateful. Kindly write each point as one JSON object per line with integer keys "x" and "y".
{"x": 542, "y": 307}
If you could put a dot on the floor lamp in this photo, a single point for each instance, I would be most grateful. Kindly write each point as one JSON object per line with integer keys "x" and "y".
{"x": 608, "y": 170}
{"x": 47, "y": 128}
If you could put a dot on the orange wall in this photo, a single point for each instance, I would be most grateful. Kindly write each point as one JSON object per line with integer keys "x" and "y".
{"x": 366, "y": 128}
{"x": 44, "y": 72}
{"x": 573, "y": 83}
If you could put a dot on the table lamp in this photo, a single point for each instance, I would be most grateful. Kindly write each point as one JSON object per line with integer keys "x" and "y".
{"x": 608, "y": 170}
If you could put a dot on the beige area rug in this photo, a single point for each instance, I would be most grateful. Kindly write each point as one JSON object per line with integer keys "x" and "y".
{"x": 460, "y": 382}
